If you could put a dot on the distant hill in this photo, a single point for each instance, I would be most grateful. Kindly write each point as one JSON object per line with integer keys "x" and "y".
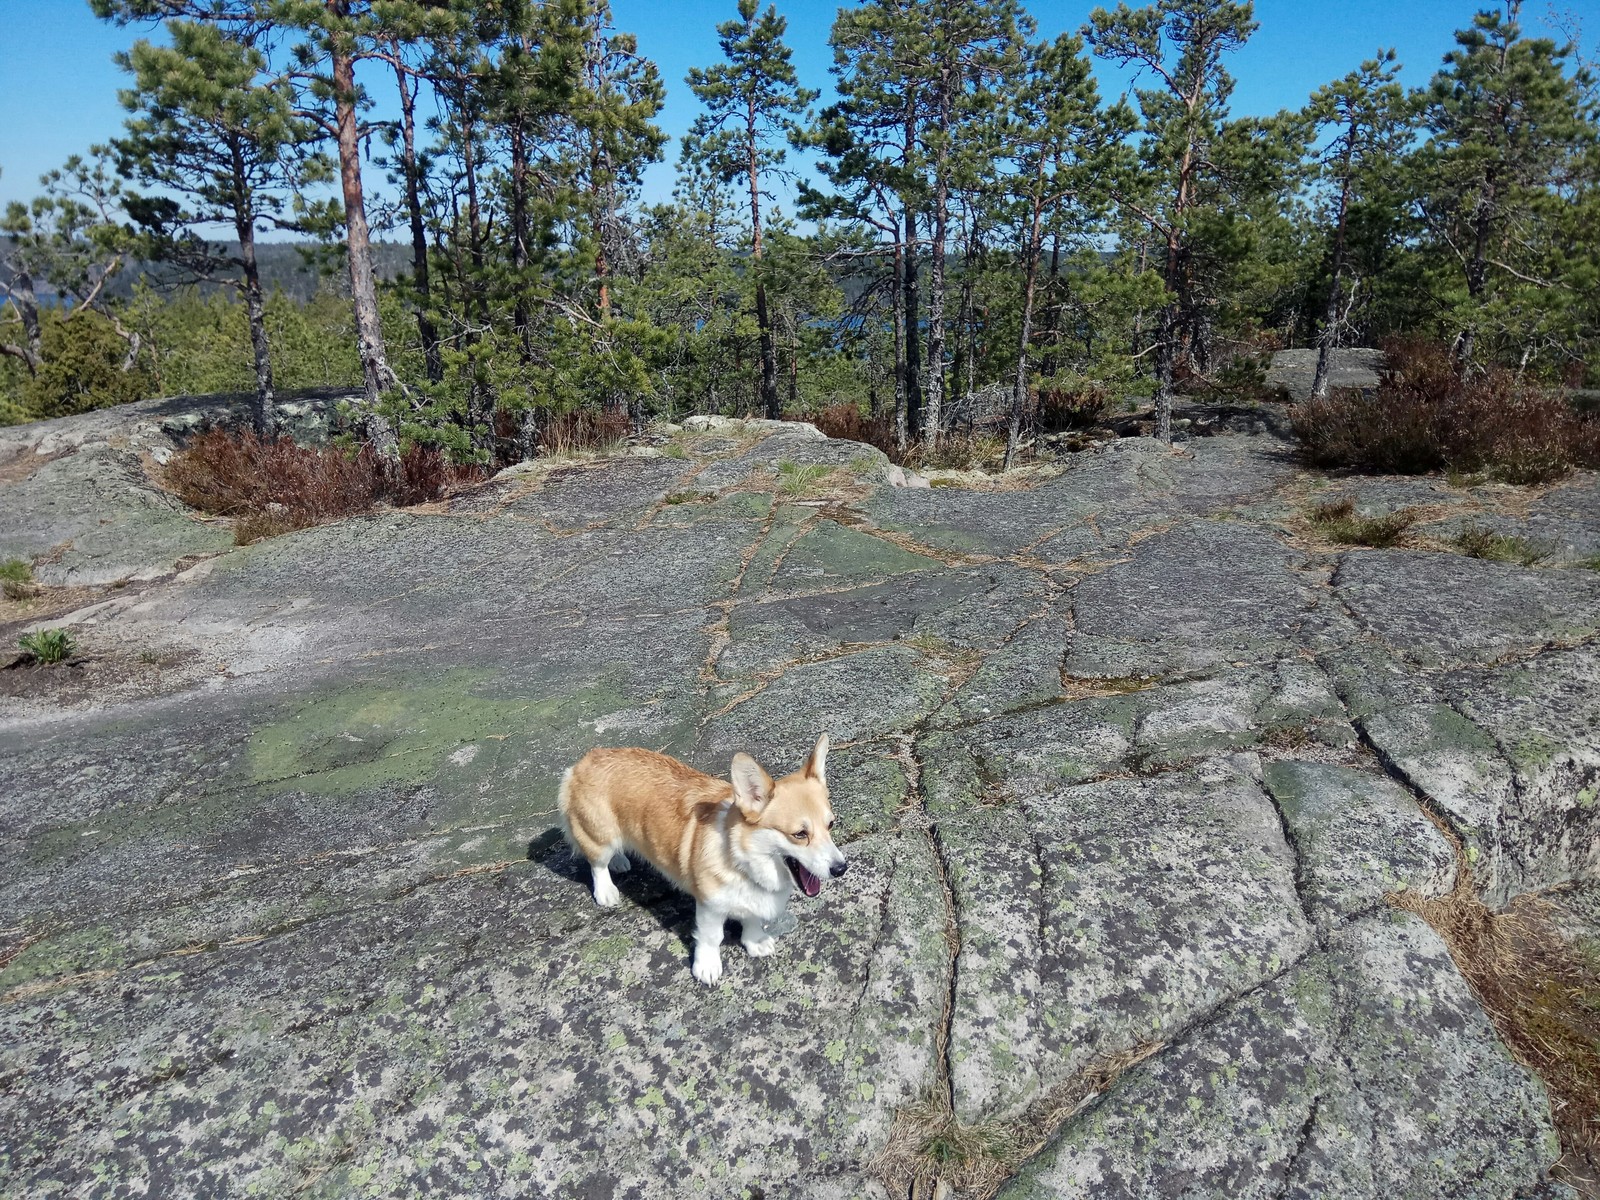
{"x": 295, "y": 268}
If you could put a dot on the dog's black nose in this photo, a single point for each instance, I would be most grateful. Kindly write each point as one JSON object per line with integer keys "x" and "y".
{"x": 838, "y": 868}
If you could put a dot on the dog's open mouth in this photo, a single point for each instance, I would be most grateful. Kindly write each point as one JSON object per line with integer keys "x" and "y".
{"x": 803, "y": 879}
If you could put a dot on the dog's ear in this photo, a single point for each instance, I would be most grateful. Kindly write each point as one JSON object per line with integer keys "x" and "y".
{"x": 752, "y": 786}
{"x": 817, "y": 765}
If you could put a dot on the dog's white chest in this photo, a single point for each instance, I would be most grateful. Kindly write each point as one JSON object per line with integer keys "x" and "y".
{"x": 744, "y": 901}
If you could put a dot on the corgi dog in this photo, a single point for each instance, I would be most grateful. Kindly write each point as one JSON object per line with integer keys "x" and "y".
{"x": 739, "y": 847}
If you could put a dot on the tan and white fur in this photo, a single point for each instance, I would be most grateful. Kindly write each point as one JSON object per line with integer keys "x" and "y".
{"x": 740, "y": 848}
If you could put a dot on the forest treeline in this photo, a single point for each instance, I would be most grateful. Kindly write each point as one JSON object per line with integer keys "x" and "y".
{"x": 971, "y": 216}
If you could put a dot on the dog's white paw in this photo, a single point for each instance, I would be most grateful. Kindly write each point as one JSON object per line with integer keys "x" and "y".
{"x": 620, "y": 864}
{"x": 606, "y": 894}
{"x": 707, "y": 967}
{"x": 761, "y": 948}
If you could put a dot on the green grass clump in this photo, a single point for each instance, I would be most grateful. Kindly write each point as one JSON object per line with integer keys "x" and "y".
{"x": 1338, "y": 521}
{"x": 16, "y": 579}
{"x": 49, "y": 646}
{"x": 795, "y": 479}
{"x": 1479, "y": 541}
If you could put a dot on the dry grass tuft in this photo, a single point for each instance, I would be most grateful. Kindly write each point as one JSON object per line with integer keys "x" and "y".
{"x": 1338, "y": 521}
{"x": 847, "y": 421}
{"x": 1479, "y": 541}
{"x": 930, "y": 1153}
{"x": 1543, "y": 995}
{"x": 578, "y": 432}
{"x": 1080, "y": 405}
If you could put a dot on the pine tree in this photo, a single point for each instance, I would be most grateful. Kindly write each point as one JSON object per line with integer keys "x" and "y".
{"x": 1181, "y": 43}
{"x": 872, "y": 143}
{"x": 752, "y": 101}
{"x": 1510, "y": 131}
{"x": 1372, "y": 115}
{"x": 341, "y": 33}
{"x": 1063, "y": 145}
{"x": 72, "y": 237}
{"x": 211, "y": 126}
{"x": 967, "y": 47}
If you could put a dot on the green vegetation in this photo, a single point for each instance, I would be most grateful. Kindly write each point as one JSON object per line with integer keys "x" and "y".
{"x": 49, "y": 646}
{"x": 796, "y": 480}
{"x": 16, "y": 579}
{"x": 1338, "y": 521}
{"x": 988, "y": 242}
{"x": 1479, "y": 541}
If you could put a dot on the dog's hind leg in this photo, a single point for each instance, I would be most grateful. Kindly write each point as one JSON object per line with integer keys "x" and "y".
{"x": 608, "y": 859}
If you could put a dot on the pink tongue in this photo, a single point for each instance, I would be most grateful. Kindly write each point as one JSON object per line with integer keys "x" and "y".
{"x": 809, "y": 883}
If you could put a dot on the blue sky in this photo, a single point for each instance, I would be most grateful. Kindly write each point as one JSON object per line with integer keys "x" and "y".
{"x": 58, "y": 85}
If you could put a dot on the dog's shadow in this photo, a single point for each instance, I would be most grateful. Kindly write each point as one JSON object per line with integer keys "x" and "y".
{"x": 642, "y": 886}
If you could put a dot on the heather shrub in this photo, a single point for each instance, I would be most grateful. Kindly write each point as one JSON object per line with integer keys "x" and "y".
{"x": 1425, "y": 416}
{"x": 1075, "y": 406}
{"x": 846, "y": 421}
{"x": 272, "y": 487}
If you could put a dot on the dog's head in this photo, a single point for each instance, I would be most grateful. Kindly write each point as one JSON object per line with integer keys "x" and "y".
{"x": 790, "y": 818}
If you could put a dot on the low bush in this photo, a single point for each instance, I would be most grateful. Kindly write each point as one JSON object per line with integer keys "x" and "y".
{"x": 1077, "y": 406}
{"x": 272, "y": 487}
{"x": 49, "y": 646}
{"x": 847, "y": 421}
{"x": 1425, "y": 416}
{"x": 958, "y": 452}
{"x": 1339, "y": 522}
{"x": 16, "y": 580}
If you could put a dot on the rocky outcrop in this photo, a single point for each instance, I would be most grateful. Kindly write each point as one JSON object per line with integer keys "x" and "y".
{"x": 1295, "y": 370}
{"x": 1128, "y": 768}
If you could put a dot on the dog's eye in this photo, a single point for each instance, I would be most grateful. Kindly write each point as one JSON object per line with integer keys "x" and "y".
{"x": 830, "y": 823}
{"x": 801, "y": 835}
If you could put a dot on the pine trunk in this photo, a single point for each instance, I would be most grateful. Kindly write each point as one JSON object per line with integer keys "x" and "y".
{"x": 264, "y": 414}
{"x": 27, "y": 305}
{"x": 897, "y": 307}
{"x": 933, "y": 413}
{"x": 520, "y": 315}
{"x": 480, "y": 399}
{"x": 769, "y": 353}
{"x": 426, "y": 331}
{"x": 378, "y": 376}
{"x": 1019, "y": 387}
{"x": 1165, "y": 354}
{"x": 913, "y": 343}
{"x": 1330, "y": 323}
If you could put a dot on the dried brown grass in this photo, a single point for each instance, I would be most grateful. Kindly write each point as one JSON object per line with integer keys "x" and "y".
{"x": 582, "y": 431}
{"x": 848, "y": 422}
{"x": 1080, "y": 406}
{"x": 1543, "y": 994}
{"x": 928, "y": 1148}
{"x": 272, "y": 487}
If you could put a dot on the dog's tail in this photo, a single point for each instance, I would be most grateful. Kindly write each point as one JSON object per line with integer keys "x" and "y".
{"x": 564, "y": 803}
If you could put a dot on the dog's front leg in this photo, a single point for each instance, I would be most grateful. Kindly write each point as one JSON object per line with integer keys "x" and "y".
{"x": 708, "y": 922}
{"x": 758, "y": 939}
